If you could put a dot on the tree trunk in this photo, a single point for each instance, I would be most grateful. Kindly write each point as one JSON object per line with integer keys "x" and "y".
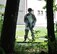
{"x": 50, "y": 27}
{"x": 9, "y": 26}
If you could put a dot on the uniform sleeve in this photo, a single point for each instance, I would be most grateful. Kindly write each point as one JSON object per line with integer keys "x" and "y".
{"x": 34, "y": 18}
{"x": 25, "y": 18}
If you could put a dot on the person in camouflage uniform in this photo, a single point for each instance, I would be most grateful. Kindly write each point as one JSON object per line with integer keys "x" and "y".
{"x": 30, "y": 21}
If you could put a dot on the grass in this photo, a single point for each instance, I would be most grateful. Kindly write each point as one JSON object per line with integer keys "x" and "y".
{"x": 31, "y": 48}
{"x": 39, "y": 32}
{"x": 1, "y": 23}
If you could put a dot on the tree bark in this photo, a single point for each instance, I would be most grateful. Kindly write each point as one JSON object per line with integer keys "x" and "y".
{"x": 9, "y": 26}
{"x": 50, "y": 28}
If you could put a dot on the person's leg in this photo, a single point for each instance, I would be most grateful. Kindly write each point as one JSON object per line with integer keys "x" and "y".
{"x": 32, "y": 34}
{"x": 26, "y": 34}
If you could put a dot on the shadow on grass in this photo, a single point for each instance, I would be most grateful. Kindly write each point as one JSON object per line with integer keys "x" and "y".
{"x": 31, "y": 48}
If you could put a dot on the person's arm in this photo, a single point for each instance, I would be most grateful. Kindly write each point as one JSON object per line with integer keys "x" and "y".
{"x": 34, "y": 19}
{"x": 25, "y": 19}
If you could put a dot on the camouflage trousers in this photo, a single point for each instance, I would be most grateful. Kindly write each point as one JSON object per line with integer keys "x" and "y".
{"x": 27, "y": 31}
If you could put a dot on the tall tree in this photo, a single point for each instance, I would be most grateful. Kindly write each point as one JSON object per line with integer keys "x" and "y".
{"x": 9, "y": 26}
{"x": 50, "y": 27}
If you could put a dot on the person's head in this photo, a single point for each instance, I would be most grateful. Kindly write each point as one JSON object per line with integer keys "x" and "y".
{"x": 30, "y": 10}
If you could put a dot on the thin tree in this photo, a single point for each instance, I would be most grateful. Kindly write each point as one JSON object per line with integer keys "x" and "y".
{"x": 50, "y": 28}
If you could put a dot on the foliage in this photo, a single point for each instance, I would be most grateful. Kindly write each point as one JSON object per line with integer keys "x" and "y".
{"x": 1, "y": 6}
{"x": 1, "y": 51}
{"x": 52, "y": 46}
{"x": 31, "y": 48}
{"x": 1, "y": 13}
{"x": 1, "y": 23}
{"x": 54, "y": 6}
{"x": 39, "y": 32}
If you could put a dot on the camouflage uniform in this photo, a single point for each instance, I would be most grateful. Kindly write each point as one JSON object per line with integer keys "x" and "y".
{"x": 30, "y": 21}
